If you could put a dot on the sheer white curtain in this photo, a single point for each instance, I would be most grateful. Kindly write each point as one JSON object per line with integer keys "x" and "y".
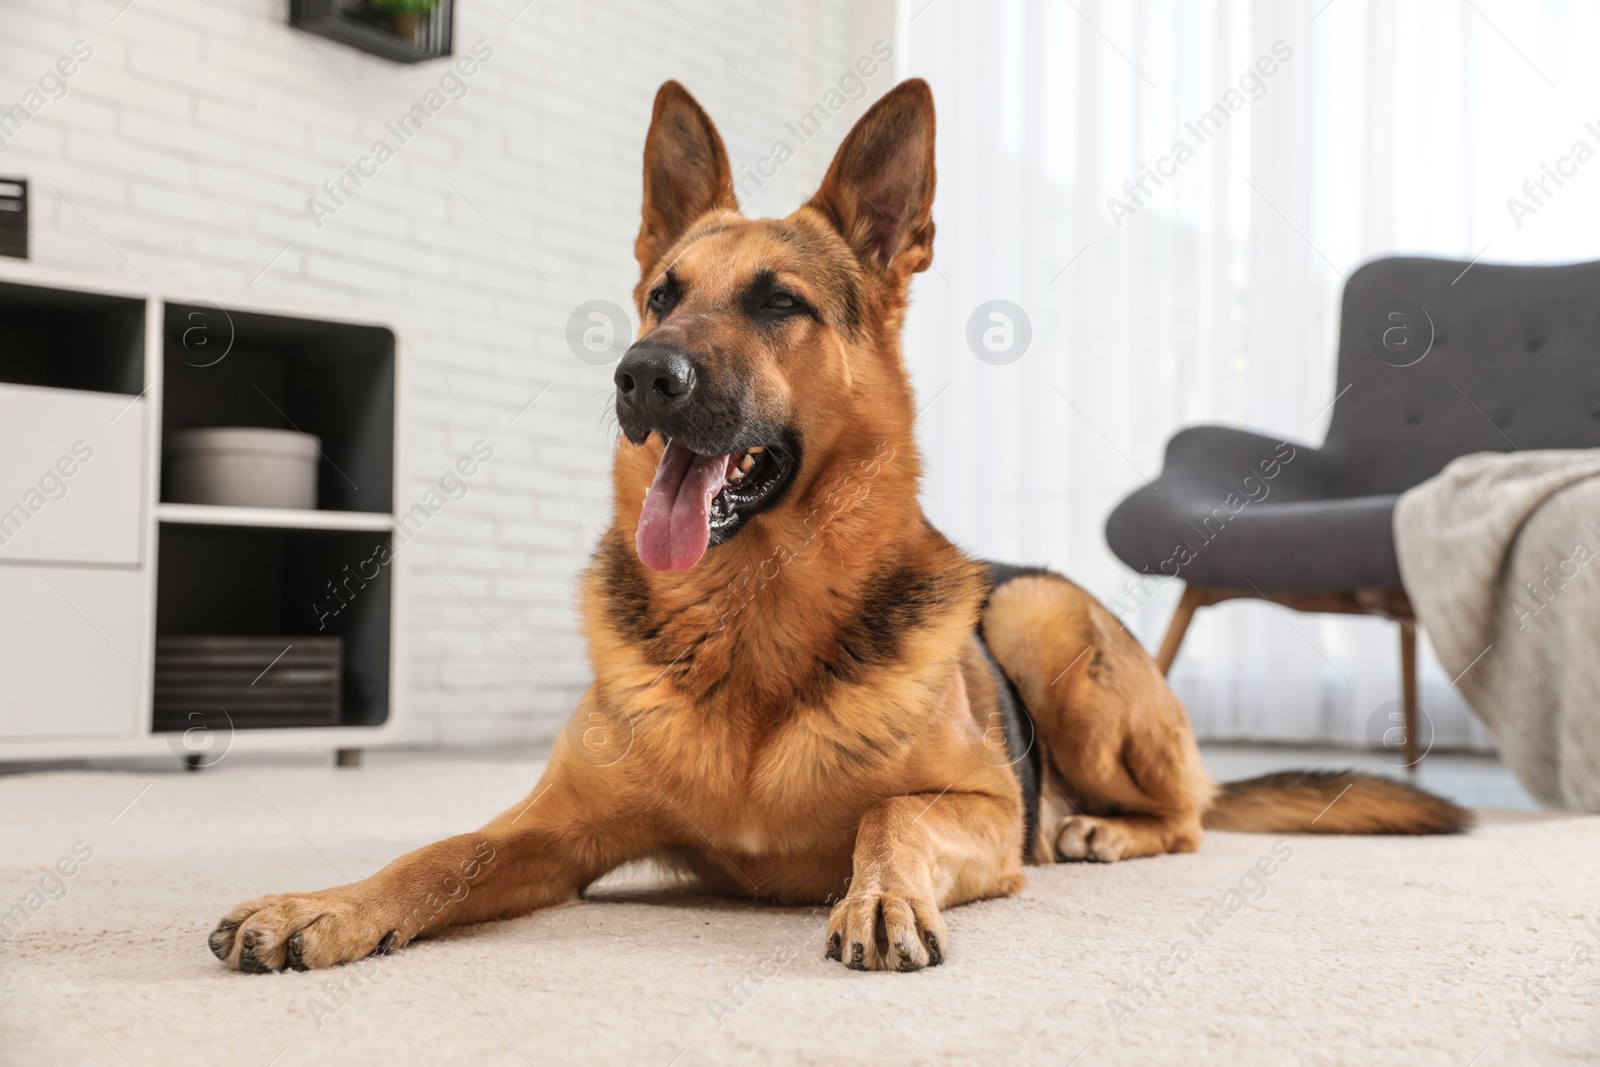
{"x": 1362, "y": 128}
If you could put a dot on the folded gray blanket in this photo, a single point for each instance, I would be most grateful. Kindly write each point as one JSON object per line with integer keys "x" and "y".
{"x": 1501, "y": 557}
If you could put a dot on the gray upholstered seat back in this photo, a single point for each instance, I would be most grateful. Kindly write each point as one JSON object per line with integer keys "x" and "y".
{"x": 1518, "y": 345}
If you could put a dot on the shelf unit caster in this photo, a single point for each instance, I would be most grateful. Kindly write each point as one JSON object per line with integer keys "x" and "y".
{"x": 347, "y": 757}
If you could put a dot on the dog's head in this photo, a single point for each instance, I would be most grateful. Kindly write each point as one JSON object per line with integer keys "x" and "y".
{"x": 765, "y": 345}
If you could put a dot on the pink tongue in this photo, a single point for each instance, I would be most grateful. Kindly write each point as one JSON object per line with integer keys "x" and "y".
{"x": 675, "y": 525}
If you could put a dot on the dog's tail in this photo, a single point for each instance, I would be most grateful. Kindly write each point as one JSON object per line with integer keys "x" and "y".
{"x": 1331, "y": 802}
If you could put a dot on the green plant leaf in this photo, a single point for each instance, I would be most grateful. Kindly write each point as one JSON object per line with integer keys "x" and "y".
{"x": 420, "y": 8}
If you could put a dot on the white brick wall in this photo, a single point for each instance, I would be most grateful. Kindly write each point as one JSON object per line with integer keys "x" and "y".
{"x": 185, "y": 151}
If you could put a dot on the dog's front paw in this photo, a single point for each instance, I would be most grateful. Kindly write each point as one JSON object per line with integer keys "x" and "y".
{"x": 301, "y": 931}
{"x": 878, "y": 930}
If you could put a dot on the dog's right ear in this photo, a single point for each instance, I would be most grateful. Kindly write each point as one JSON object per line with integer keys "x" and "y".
{"x": 878, "y": 193}
{"x": 686, "y": 173}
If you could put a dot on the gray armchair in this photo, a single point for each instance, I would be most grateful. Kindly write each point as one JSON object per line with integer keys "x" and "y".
{"x": 1434, "y": 364}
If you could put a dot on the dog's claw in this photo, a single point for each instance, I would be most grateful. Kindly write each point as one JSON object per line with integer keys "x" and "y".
{"x": 247, "y": 957}
{"x": 386, "y": 946}
{"x": 935, "y": 953}
{"x": 857, "y": 954}
{"x": 834, "y": 952}
{"x": 293, "y": 959}
{"x": 218, "y": 941}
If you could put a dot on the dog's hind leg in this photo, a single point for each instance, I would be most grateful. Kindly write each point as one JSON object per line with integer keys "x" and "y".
{"x": 1122, "y": 774}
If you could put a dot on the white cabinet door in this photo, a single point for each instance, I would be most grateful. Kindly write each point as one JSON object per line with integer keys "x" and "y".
{"x": 71, "y": 653}
{"x": 71, "y": 475}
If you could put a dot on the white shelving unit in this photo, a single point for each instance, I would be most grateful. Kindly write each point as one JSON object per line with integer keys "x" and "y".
{"x": 95, "y": 565}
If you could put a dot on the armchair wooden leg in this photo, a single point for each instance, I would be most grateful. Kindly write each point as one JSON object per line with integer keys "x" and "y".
{"x": 1408, "y": 684}
{"x": 1194, "y": 598}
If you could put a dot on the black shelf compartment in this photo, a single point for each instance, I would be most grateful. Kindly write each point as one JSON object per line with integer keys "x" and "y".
{"x": 335, "y": 381}
{"x": 70, "y": 340}
{"x": 232, "y": 581}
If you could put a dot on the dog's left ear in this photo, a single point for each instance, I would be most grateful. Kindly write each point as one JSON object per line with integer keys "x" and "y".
{"x": 878, "y": 192}
{"x": 686, "y": 173}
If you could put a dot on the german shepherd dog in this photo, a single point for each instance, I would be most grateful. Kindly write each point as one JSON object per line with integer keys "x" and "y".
{"x": 803, "y": 692}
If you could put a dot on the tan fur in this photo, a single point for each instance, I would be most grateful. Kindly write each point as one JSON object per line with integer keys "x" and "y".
{"x": 1331, "y": 802}
{"x": 1121, "y": 763}
{"x": 808, "y": 715}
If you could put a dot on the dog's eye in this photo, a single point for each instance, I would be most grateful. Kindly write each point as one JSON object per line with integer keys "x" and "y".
{"x": 770, "y": 305}
{"x": 660, "y": 299}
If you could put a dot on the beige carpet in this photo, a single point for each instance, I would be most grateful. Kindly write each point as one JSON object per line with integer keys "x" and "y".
{"x": 1372, "y": 951}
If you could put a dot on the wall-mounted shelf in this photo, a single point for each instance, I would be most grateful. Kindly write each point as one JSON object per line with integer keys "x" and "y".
{"x": 94, "y": 574}
{"x": 359, "y": 24}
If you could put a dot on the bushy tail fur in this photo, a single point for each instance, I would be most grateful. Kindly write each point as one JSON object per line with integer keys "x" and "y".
{"x": 1331, "y": 802}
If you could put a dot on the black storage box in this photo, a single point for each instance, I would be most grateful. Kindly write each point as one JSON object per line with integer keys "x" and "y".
{"x": 259, "y": 682}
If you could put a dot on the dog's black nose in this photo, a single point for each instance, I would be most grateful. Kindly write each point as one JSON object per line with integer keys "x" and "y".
{"x": 654, "y": 377}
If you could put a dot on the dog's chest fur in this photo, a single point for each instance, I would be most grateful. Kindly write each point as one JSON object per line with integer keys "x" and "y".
{"x": 773, "y": 719}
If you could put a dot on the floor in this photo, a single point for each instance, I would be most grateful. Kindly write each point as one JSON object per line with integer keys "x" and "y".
{"x": 1482, "y": 949}
{"x": 1480, "y": 779}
